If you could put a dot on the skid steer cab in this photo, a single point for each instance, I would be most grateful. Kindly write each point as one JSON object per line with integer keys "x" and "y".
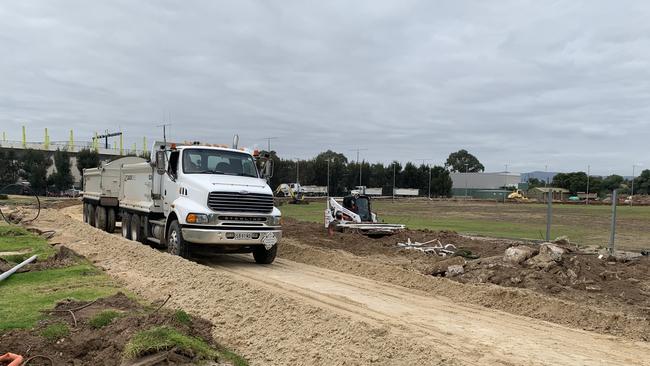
{"x": 354, "y": 214}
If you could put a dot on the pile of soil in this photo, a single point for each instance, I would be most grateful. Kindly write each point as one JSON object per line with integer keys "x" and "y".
{"x": 86, "y": 345}
{"x": 580, "y": 276}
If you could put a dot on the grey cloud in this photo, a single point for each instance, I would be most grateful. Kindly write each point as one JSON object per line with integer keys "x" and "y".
{"x": 524, "y": 83}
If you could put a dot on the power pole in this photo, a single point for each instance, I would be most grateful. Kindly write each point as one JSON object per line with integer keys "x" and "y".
{"x": 358, "y": 150}
{"x": 268, "y": 141}
{"x": 587, "y": 199}
{"x": 164, "y": 127}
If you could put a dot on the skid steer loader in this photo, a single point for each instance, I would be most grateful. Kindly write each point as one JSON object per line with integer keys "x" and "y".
{"x": 354, "y": 214}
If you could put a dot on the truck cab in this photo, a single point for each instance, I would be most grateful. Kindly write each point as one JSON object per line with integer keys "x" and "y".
{"x": 205, "y": 197}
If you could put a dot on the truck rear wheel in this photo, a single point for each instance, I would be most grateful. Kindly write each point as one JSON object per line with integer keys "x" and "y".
{"x": 100, "y": 217}
{"x": 126, "y": 225}
{"x": 91, "y": 214}
{"x": 176, "y": 245}
{"x": 263, "y": 256}
{"x": 136, "y": 228}
{"x": 85, "y": 212}
{"x": 110, "y": 220}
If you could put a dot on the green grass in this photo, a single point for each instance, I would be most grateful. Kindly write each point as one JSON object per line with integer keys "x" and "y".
{"x": 163, "y": 338}
{"x": 15, "y": 239}
{"x": 56, "y": 331}
{"x": 584, "y": 225}
{"x": 103, "y": 318}
{"x": 31, "y": 292}
{"x": 182, "y": 317}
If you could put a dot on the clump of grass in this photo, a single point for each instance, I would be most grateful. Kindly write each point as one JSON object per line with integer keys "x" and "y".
{"x": 103, "y": 318}
{"x": 12, "y": 230}
{"x": 55, "y": 331}
{"x": 182, "y": 317}
{"x": 4, "y": 197}
{"x": 236, "y": 359}
{"x": 163, "y": 338}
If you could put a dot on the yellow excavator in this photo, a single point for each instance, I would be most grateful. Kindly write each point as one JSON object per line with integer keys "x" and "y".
{"x": 518, "y": 196}
{"x": 292, "y": 190}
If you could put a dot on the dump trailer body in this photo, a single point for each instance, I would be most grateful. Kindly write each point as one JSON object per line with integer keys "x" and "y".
{"x": 104, "y": 183}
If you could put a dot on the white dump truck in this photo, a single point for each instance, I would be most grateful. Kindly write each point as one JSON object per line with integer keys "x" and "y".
{"x": 189, "y": 196}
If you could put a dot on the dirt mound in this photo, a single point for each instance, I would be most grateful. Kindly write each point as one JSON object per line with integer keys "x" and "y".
{"x": 86, "y": 344}
{"x": 357, "y": 244}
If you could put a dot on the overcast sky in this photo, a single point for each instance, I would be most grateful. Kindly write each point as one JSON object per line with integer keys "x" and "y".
{"x": 523, "y": 83}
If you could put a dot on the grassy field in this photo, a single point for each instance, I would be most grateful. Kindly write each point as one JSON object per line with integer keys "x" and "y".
{"x": 584, "y": 225}
{"x": 30, "y": 292}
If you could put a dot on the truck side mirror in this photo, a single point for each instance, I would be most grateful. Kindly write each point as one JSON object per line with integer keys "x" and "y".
{"x": 160, "y": 162}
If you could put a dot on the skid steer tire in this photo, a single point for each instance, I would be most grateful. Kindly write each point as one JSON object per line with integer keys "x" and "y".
{"x": 110, "y": 220}
{"x": 100, "y": 217}
{"x": 263, "y": 256}
{"x": 176, "y": 245}
{"x": 126, "y": 225}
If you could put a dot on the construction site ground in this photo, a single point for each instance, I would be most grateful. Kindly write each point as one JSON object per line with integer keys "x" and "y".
{"x": 584, "y": 224}
{"x": 352, "y": 300}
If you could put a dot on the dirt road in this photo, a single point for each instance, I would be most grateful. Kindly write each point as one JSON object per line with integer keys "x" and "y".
{"x": 293, "y": 313}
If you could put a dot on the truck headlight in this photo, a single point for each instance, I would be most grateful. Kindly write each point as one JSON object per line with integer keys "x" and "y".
{"x": 195, "y": 218}
{"x": 277, "y": 220}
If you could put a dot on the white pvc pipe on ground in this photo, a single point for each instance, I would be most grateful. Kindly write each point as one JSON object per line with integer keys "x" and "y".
{"x": 17, "y": 267}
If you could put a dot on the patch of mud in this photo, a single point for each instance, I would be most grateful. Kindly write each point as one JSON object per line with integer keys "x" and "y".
{"x": 86, "y": 345}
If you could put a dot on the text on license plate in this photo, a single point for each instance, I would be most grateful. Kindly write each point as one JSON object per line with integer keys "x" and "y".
{"x": 244, "y": 236}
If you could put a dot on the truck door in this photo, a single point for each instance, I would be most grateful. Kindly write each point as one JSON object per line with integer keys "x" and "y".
{"x": 169, "y": 186}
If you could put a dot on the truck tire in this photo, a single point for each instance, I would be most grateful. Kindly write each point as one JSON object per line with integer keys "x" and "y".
{"x": 136, "y": 228}
{"x": 91, "y": 214}
{"x": 263, "y": 256}
{"x": 110, "y": 220}
{"x": 176, "y": 245}
{"x": 100, "y": 217}
{"x": 85, "y": 212}
{"x": 126, "y": 225}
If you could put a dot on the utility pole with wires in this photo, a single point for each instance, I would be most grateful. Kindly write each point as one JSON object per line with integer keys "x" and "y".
{"x": 268, "y": 142}
{"x": 360, "y": 165}
{"x": 164, "y": 127}
{"x": 587, "y": 199}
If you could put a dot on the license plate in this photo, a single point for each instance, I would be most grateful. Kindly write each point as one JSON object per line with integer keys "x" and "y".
{"x": 243, "y": 236}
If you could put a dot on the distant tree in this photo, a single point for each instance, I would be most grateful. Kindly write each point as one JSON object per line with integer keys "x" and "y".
{"x": 462, "y": 161}
{"x": 34, "y": 169}
{"x": 575, "y": 182}
{"x": 534, "y": 182}
{"x": 642, "y": 182}
{"x": 440, "y": 182}
{"x": 61, "y": 179}
{"x": 9, "y": 168}
{"x": 86, "y": 158}
{"x": 410, "y": 176}
{"x": 612, "y": 182}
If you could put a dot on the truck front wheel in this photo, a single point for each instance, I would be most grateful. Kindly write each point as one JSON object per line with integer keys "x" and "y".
{"x": 176, "y": 245}
{"x": 263, "y": 256}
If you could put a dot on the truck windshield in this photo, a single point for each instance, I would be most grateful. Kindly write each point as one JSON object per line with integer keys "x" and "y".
{"x": 208, "y": 161}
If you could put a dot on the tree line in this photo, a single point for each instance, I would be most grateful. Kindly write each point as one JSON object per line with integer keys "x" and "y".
{"x": 345, "y": 175}
{"x": 32, "y": 166}
{"x": 577, "y": 182}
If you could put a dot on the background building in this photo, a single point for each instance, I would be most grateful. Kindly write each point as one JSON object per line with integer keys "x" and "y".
{"x": 483, "y": 185}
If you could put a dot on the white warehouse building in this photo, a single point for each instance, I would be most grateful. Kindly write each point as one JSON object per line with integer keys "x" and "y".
{"x": 473, "y": 182}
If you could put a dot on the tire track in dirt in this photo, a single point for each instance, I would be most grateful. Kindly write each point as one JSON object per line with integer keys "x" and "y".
{"x": 494, "y": 335}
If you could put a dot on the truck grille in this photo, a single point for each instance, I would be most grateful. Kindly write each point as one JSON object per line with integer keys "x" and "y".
{"x": 238, "y": 202}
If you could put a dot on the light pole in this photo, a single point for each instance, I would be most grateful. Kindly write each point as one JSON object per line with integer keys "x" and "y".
{"x": 505, "y": 183}
{"x": 588, "y": 172}
{"x": 297, "y": 170}
{"x": 394, "y": 167}
{"x": 328, "y": 178}
{"x": 268, "y": 142}
{"x": 545, "y": 175}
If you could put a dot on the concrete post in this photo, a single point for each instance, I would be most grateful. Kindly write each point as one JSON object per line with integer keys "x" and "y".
{"x": 24, "y": 138}
{"x": 46, "y": 143}
{"x": 71, "y": 142}
{"x": 612, "y": 233}
{"x": 121, "y": 145}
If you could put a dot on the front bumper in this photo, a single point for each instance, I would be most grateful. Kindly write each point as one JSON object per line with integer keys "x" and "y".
{"x": 231, "y": 237}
